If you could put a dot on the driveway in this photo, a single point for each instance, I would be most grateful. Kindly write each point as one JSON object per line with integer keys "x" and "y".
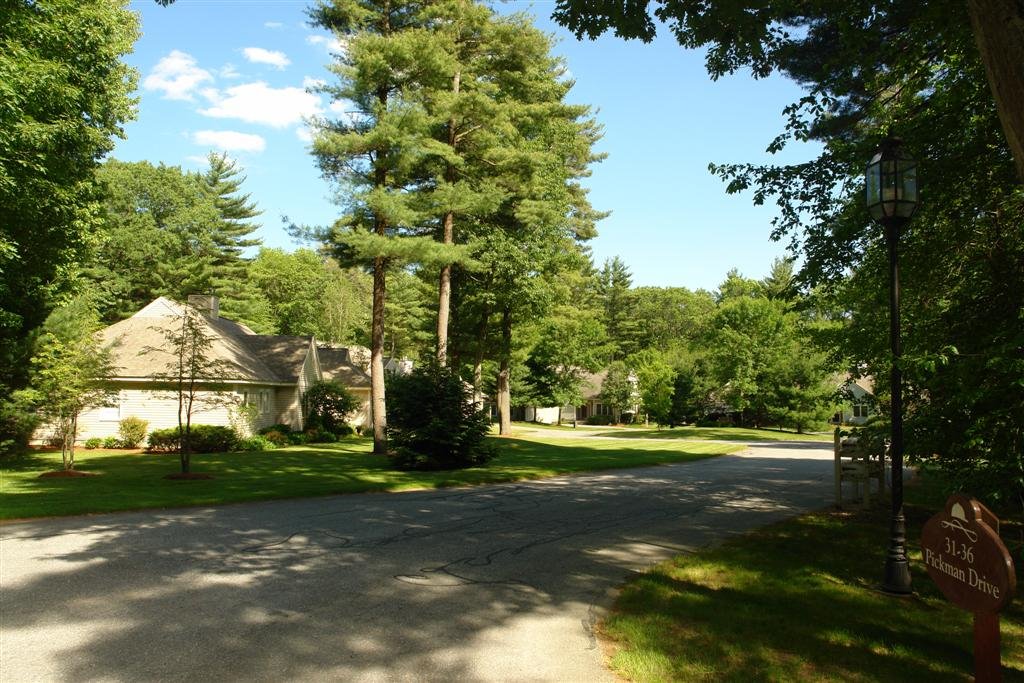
{"x": 490, "y": 583}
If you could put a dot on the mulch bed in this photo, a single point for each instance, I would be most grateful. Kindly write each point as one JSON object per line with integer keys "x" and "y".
{"x": 62, "y": 474}
{"x": 189, "y": 476}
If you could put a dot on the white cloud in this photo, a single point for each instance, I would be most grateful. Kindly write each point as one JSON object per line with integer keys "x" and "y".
{"x": 310, "y": 82}
{"x": 273, "y": 24}
{"x": 259, "y": 55}
{"x": 177, "y": 75}
{"x": 230, "y": 140}
{"x": 228, "y": 71}
{"x": 304, "y": 133}
{"x": 259, "y": 103}
{"x": 330, "y": 43}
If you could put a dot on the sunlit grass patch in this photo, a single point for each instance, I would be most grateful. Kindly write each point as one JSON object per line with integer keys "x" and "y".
{"x": 136, "y": 480}
{"x": 714, "y": 434}
{"x": 797, "y": 601}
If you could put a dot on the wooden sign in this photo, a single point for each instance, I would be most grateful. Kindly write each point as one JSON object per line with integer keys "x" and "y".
{"x": 966, "y": 558}
{"x": 974, "y": 570}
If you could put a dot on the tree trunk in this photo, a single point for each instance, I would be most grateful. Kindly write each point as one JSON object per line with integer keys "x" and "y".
{"x": 478, "y": 362}
{"x": 504, "y": 391}
{"x": 998, "y": 27}
{"x": 71, "y": 442}
{"x": 377, "y": 403}
{"x": 444, "y": 296}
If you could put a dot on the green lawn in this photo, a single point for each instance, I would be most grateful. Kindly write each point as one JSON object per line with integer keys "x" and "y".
{"x": 798, "y": 601}
{"x": 134, "y": 481}
{"x": 712, "y": 433}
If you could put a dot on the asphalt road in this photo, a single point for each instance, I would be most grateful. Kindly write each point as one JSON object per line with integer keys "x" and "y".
{"x": 490, "y": 583}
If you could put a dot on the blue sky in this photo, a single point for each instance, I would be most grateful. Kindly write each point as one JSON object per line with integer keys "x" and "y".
{"x": 231, "y": 75}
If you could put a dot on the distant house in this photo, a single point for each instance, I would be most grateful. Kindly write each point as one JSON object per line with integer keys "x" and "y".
{"x": 271, "y": 372}
{"x": 861, "y": 400}
{"x": 591, "y": 406}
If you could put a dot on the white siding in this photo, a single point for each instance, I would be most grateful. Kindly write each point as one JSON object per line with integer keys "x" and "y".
{"x": 160, "y": 410}
{"x": 361, "y": 416}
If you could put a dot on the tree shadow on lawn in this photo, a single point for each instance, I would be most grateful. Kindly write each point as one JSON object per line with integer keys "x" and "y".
{"x": 417, "y": 585}
{"x": 748, "y": 610}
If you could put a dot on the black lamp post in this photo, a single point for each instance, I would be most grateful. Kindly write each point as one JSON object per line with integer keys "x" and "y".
{"x": 892, "y": 197}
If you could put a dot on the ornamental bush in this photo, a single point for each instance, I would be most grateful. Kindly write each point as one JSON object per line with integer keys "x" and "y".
{"x": 275, "y": 437}
{"x": 433, "y": 423}
{"x": 93, "y": 443}
{"x": 132, "y": 431}
{"x": 204, "y": 438}
{"x": 327, "y": 405}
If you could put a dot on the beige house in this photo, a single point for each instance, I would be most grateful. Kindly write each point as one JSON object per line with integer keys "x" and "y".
{"x": 592, "y": 403}
{"x": 861, "y": 399}
{"x": 270, "y": 372}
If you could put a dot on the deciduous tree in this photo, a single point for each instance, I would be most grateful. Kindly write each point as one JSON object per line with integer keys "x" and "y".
{"x": 66, "y": 94}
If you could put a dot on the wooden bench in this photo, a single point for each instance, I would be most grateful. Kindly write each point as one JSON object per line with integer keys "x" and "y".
{"x": 854, "y": 464}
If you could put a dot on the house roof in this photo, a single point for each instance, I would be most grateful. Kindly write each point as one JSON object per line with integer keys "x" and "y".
{"x": 140, "y": 342}
{"x": 592, "y": 383}
{"x": 336, "y": 365}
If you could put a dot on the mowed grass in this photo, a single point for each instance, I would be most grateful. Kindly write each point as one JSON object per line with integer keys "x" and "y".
{"x": 129, "y": 481}
{"x": 798, "y": 601}
{"x": 712, "y": 434}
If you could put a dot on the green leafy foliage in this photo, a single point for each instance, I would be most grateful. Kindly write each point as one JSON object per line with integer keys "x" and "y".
{"x": 327, "y": 404}
{"x": 618, "y": 391}
{"x": 433, "y": 423}
{"x": 70, "y": 372}
{"x": 132, "y": 431}
{"x": 203, "y": 438}
{"x": 257, "y": 442}
{"x": 66, "y": 94}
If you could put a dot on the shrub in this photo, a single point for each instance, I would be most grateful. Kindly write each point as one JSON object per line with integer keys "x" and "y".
{"x": 163, "y": 440}
{"x": 17, "y": 423}
{"x": 132, "y": 431}
{"x": 204, "y": 439}
{"x": 94, "y": 442}
{"x": 256, "y": 443}
{"x": 111, "y": 442}
{"x": 433, "y": 423}
{"x": 599, "y": 420}
{"x": 317, "y": 435}
{"x": 296, "y": 438}
{"x": 327, "y": 404}
{"x": 279, "y": 428}
{"x": 344, "y": 430}
{"x": 275, "y": 437}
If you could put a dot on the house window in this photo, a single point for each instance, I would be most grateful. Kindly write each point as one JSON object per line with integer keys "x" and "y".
{"x": 265, "y": 401}
{"x": 259, "y": 398}
{"x": 602, "y": 409}
{"x": 112, "y": 411}
{"x": 861, "y": 409}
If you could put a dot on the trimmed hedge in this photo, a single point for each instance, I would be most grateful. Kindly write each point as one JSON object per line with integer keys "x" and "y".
{"x": 204, "y": 439}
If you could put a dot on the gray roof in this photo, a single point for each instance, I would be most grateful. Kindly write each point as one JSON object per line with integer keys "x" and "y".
{"x": 140, "y": 343}
{"x": 336, "y": 365}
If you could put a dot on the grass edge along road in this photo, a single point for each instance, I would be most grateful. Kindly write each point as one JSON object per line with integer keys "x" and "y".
{"x": 134, "y": 481}
{"x": 799, "y": 600}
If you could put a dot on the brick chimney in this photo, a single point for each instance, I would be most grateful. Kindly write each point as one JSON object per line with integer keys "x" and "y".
{"x": 207, "y": 304}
